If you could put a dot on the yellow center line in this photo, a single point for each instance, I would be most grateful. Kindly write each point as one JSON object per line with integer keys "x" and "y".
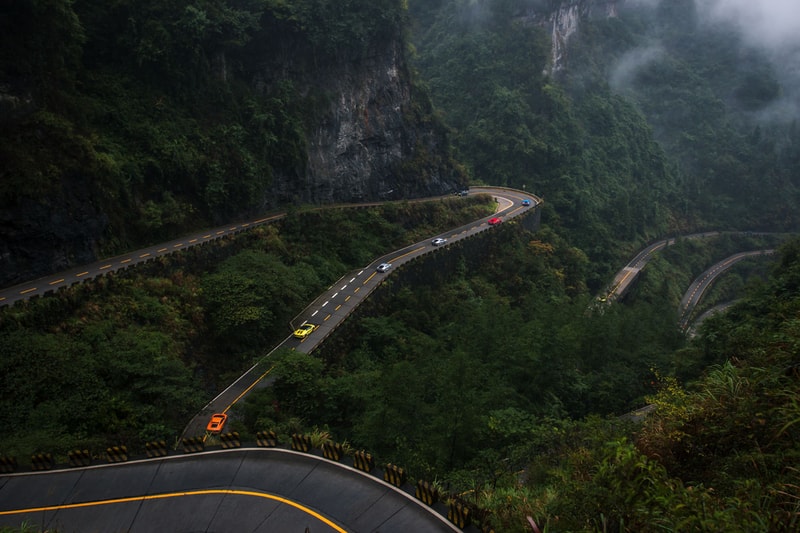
{"x": 125, "y": 261}
{"x": 357, "y": 289}
{"x": 618, "y": 285}
{"x": 338, "y": 307}
{"x": 245, "y": 224}
{"x": 2, "y": 298}
{"x": 326, "y": 318}
{"x": 177, "y": 245}
{"x": 207, "y": 236}
{"x": 81, "y": 274}
{"x": 162, "y": 250}
{"x": 369, "y": 278}
{"x": 104, "y": 267}
{"x": 233, "y": 228}
{"x": 26, "y": 291}
{"x": 248, "y": 389}
{"x": 145, "y": 255}
{"x": 220, "y": 232}
{"x": 224, "y": 492}
{"x": 347, "y": 298}
{"x": 192, "y": 240}
{"x": 56, "y": 281}
{"x": 407, "y": 253}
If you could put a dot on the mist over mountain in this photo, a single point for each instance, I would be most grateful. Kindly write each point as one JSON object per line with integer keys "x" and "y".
{"x": 770, "y": 29}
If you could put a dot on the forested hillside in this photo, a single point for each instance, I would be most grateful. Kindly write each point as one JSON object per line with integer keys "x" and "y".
{"x": 122, "y": 123}
{"x": 653, "y": 120}
{"x": 489, "y": 367}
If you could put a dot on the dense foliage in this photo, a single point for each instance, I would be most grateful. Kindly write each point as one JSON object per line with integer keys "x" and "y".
{"x": 650, "y": 121}
{"x": 591, "y": 155}
{"x": 165, "y": 115}
{"x": 132, "y": 357}
{"x": 489, "y": 367}
{"x": 489, "y": 391}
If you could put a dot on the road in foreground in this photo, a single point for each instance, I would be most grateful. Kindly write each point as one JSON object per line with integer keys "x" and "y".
{"x": 258, "y": 490}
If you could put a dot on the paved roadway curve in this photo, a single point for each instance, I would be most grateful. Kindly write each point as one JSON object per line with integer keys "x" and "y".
{"x": 333, "y": 306}
{"x": 625, "y": 277}
{"x": 257, "y": 490}
{"x": 163, "y": 494}
{"x": 695, "y": 292}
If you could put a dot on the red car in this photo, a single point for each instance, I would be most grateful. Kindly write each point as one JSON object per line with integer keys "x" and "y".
{"x": 217, "y": 422}
{"x": 495, "y": 221}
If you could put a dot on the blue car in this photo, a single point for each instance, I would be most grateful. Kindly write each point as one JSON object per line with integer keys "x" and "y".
{"x": 526, "y": 202}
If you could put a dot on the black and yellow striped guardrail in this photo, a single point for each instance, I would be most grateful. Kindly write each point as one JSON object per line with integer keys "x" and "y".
{"x": 79, "y": 458}
{"x": 193, "y": 444}
{"x": 230, "y": 440}
{"x": 426, "y": 492}
{"x": 332, "y": 451}
{"x": 42, "y": 461}
{"x": 8, "y": 464}
{"x": 394, "y": 475}
{"x": 459, "y": 513}
{"x": 117, "y": 454}
{"x": 266, "y": 439}
{"x": 301, "y": 443}
{"x": 363, "y": 461}
{"x": 156, "y": 448}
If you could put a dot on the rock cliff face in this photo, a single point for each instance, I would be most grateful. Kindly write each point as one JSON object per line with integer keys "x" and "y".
{"x": 370, "y": 140}
{"x": 362, "y": 145}
{"x": 37, "y": 238}
{"x": 562, "y": 19}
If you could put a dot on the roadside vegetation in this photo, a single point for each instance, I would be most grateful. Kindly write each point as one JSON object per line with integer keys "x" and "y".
{"x": 493, "y": 372}
{"x": 132, "y": 357}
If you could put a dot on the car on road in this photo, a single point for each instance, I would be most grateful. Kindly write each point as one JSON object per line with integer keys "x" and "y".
{"x": 217, "y": 422}
{"x": 526, "y": 202}
{"x": 438, "y": 241}
{"x": 383, "y": 267}
{"x": 495, "y": 221}
{"x": 304, "y": 330}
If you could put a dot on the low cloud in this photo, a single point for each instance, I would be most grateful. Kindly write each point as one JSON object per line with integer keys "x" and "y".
{"x": 770, "y": 24}
{"x": 630, "y": 63}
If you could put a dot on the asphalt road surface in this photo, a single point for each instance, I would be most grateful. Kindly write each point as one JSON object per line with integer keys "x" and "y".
{"x": 257, "y": 490}
{"x": 233, "y": 490}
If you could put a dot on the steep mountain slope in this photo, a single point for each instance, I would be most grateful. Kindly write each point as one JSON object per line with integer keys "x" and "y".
{"x": 124, "y": 122}
{"x": 631, "y": 118}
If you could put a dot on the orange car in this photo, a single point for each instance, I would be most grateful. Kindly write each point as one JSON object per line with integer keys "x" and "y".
{"x": 217, "y": 422}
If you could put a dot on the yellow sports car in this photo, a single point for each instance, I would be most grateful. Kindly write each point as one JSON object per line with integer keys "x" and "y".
{"x": 304, "y": 331}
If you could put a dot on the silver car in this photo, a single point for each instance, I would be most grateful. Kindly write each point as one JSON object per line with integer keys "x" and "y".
{"x": 383, "y": 267}
{"x": 438, "y": 241}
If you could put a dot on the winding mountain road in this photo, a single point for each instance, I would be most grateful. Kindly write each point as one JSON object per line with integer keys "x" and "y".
{"x": 234, "y": 490}
{"x": 699, "y": 286}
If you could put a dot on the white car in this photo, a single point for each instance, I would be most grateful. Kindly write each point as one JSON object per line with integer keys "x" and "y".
{"x": 383, "y": 267}
{"x": 438, "y": 241}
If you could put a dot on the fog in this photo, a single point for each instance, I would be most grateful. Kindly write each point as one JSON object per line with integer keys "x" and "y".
{"x": 772, "y": 26}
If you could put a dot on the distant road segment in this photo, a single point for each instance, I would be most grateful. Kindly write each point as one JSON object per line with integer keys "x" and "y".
{"x": 699, "y": 286}
{"x": 625, "y": 277}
